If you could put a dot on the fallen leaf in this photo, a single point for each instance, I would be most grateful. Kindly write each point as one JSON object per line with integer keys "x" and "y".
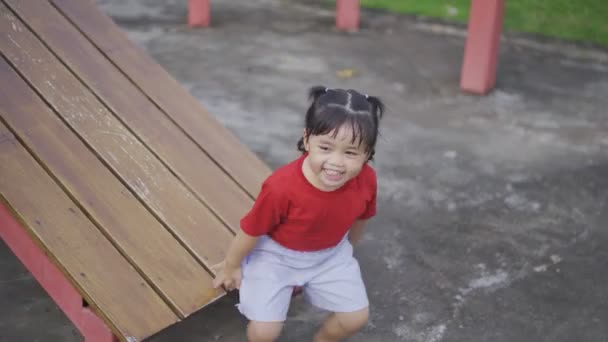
{"x": 346, "y": 73}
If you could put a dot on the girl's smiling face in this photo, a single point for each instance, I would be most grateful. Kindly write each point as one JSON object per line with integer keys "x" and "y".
{"x": 333, "y": 158}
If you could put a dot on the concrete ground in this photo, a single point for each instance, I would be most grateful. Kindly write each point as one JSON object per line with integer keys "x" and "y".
{"x": 493, "y": 210}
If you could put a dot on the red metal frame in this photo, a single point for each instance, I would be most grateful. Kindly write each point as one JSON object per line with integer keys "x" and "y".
{"x": 199, "y": 13}
{"x": 52, "y": 280}
{"x": 347, "y": 14}
{"x": 478, "y": 73}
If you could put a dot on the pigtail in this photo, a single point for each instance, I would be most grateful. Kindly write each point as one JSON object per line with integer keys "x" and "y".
{"x": 378, "y": 106}
{"x": 315, "y": 92}
{"x": 377, "y": 110}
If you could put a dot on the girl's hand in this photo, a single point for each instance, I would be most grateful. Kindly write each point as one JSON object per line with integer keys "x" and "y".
{"x": 227, "y": 277}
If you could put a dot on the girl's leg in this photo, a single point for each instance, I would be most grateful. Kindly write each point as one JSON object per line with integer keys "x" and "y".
{"x": 263, "y": 331}
{"x": 341, "y": 325}
{"x": 265, "y": 292}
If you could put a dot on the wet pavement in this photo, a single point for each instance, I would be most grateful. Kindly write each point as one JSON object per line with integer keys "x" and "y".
{"x": 492, "y": 209}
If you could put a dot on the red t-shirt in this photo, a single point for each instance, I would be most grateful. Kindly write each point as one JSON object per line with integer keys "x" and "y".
{"x": 299, "y": 216}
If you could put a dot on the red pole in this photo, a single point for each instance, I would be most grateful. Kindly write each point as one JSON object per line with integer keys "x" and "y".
{"x": 347, "y": 15}
{"x": 478, "y": 73}
{"x": 199, "y": 13}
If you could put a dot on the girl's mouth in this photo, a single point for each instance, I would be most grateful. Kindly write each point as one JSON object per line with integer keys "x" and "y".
{"x": 333, "y": 175}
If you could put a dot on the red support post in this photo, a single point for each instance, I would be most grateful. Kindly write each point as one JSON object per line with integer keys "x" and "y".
{"x": 478, "y": 73}
{"x": 347, "y": 15}
{"x": 199, "y": 13}
{"x": 52, "y": 280}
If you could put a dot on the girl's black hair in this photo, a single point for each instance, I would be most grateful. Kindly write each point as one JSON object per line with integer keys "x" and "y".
{"x": 331, "y": 108}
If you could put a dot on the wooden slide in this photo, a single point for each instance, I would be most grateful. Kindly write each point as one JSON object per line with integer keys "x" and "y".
{"x": 118, "y": 190}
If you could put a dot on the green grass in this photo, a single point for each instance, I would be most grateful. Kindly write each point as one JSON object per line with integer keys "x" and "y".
{"x": 576, "y": 20}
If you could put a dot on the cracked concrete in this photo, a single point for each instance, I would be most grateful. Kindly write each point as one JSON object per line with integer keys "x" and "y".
{"x": 492, "y": 210}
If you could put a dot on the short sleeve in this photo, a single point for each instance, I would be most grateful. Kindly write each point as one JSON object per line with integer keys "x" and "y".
{"x": 371, "y": 185}
{"x": 268, "y": 209}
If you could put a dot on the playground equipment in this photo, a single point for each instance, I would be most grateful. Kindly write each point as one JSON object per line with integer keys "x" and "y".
{"x": 478, "y": 73}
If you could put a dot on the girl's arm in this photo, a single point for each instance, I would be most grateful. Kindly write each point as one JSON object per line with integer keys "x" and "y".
{"x": 228, "y": 272}
{"x": 356, "y": 232}
{"x": 241, "y": 245}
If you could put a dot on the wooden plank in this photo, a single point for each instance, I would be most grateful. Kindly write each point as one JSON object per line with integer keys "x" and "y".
{"x": 179, "y": 278}
{"x": 88, "y": 259}
{"x": 178, "y": 152}
{"x": 172, "y": 203}
{"x": 223, "y": 147}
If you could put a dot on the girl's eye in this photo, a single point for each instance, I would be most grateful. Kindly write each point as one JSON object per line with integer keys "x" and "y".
{"x": 324, "y": 148}
{"x": 351, "y": 153}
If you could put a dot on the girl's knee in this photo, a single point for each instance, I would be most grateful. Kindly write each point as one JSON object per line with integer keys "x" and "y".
{"x": 353, "y": 321}
{"x": 263, "y": 331}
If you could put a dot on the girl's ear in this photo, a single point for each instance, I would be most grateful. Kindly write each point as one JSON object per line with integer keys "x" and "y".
{"x": 305, "y": 140}
{"x": 370, "y": 155}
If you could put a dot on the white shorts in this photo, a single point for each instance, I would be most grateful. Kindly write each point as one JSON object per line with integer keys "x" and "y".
{"x": 331, "y": 280}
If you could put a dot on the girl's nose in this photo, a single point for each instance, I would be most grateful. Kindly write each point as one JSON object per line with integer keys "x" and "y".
{"x": 336, "y": 159}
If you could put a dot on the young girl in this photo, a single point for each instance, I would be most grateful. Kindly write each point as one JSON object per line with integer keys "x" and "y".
{"x": 305, "y": 221}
